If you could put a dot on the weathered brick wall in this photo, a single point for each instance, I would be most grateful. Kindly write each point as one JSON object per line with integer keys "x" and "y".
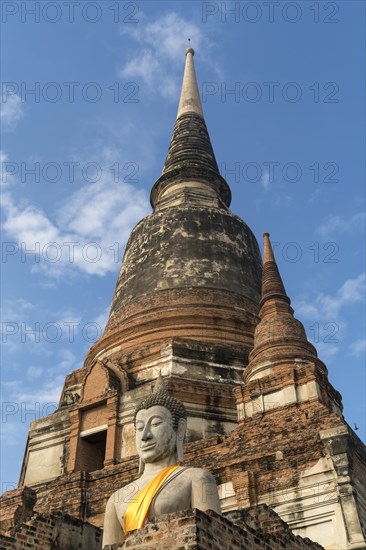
{"x": 358, "y": 460}
{"x": 189, "y": 317}
{"x": 254, "y": 529}
{"x": 248, "y": 457}
{"x": 264, "y": 455}
{"x": 260, "y": 517}
{"x": 16, "y": 506}
{"x": 196, "y": 530}
{"x": 52, "y": 532}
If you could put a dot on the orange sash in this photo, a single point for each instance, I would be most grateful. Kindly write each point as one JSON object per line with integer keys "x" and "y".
{"x": 137, "y": 510}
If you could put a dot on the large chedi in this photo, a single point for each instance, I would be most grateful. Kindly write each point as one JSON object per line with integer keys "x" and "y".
{"x": 193, "y": 304}
{"x": 186, "y": 302}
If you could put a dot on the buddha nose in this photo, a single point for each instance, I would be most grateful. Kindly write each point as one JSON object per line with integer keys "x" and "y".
{"x": 146, "y": 434}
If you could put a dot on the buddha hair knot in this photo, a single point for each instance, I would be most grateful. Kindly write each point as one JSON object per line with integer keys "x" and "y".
{"x": 161, "y": 397}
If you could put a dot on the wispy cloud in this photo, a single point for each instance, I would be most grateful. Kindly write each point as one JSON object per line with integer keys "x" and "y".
{"x": 43, "y": 388}
{"x": 34, "y": 372}
{"x": 82, "y": 232}
{"x": 158, "y": 61}
{"x": 15, "y": 309}
{"x": 265, "y": 179}
{"x": 358, "y": 347}
{"x": 328, "y": 307}
{"x": 45, "y": 395}
{"x": 337, "y": 224}
{"x": 6, "y": 177}
{"x": 283, "y": 201}
{"x": 11, "y": 111}
{"x": 324, "y": 316}
{"x": 13, "y": 431}
{"x": 37, "y": 331}
{"x": 79, "y": 236}
{"x": 326, "y": 350}
{"x": 102, "y": 318}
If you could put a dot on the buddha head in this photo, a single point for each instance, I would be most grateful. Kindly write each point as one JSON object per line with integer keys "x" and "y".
{"x": 160, "y": 424}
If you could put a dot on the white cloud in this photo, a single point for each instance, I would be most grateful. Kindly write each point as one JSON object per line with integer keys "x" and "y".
{"x": 82, "y": 236}
{"x": 144, "y": 65}
{"x": 87, "y": 232}
{"x": 7, "y": 178}
{"x": 333, "y": 224}
{"x": 159, "y": 61}
{"x": 328, "y": 307}
{"x": 40, "y": 394}
{"x": 306, "y": 309}
{"x": 11, "y": 112}
{"x": 13, "y": 430}
{"x": 67, "y": 361}
{"x": 327, "y": 350}
{"x": 358, "y": 347}
{"x": 66, "y": 316}
{"x": 43, "y": 399}
{"x": 324, "y": 314}
{"x": 265, "y": 180}
{"x": 34, "y": 372}
{"x": 282, "y": 201}
{"x": 15, "y": 309}
{"x": 102, "y": 319}
{"x": 14, "y": 316}
{"x": 315, "y": 196}
{"x": 27, "y": 326}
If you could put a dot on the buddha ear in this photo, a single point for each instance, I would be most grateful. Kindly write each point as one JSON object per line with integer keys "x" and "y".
{"x": 141, "y": 466}
{"x": 181, "y": 432}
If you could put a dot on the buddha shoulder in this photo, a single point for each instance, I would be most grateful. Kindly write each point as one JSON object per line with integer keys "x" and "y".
{"x": 199, "y": 474}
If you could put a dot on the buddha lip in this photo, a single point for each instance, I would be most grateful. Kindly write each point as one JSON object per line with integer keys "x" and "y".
{"x": 148, "y": 447}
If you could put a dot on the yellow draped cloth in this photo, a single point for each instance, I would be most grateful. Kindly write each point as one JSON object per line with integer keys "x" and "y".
{"x": 137, "y": 510}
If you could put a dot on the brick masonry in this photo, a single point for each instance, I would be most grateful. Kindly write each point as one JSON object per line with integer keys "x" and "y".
{"x": 52, "y": 532}
{"x": 265, "y": 455}
{"x": 257, "y": 528}
{"x": 196, "y": 530}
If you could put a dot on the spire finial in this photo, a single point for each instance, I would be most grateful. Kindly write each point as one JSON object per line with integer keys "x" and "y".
{"x": 268, "y": 255}
{"x": 190, "y": 101}
{"x": 190, "y": 156}
{"x": 272, "y": 285}
{"x": 189, "y": 49}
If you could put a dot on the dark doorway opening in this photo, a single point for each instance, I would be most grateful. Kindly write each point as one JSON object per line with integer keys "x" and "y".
{"x": 91, "y": 452}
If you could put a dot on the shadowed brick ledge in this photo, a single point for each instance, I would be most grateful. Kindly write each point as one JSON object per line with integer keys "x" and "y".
{"x": 22, "y": 528}
{"x": 52, "y": 532}
{"x": 258, "y": 528}
{"x": 16, "y": 507}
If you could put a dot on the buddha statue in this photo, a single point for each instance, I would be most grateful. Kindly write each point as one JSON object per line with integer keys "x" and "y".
{"x": 165, "y": 485}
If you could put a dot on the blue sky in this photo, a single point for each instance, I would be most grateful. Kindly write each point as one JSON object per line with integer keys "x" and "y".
{"x": 282, "y": 91}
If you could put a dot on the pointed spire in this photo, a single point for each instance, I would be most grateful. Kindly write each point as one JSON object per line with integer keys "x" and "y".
{"x": 190, "y": 101}
{"x": 268, "y": 255}
{"x": 278, "y": 331}
{"x": 190, "y": 173}
{"x": 283, "y": 367}
{"x": 272, "y": 285}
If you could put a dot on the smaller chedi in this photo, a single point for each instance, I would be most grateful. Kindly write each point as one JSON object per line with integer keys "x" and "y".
{"x": 165, "y": 485}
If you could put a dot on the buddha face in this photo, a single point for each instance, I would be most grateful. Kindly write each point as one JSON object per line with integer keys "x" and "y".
{"x": 156, "y": 438}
